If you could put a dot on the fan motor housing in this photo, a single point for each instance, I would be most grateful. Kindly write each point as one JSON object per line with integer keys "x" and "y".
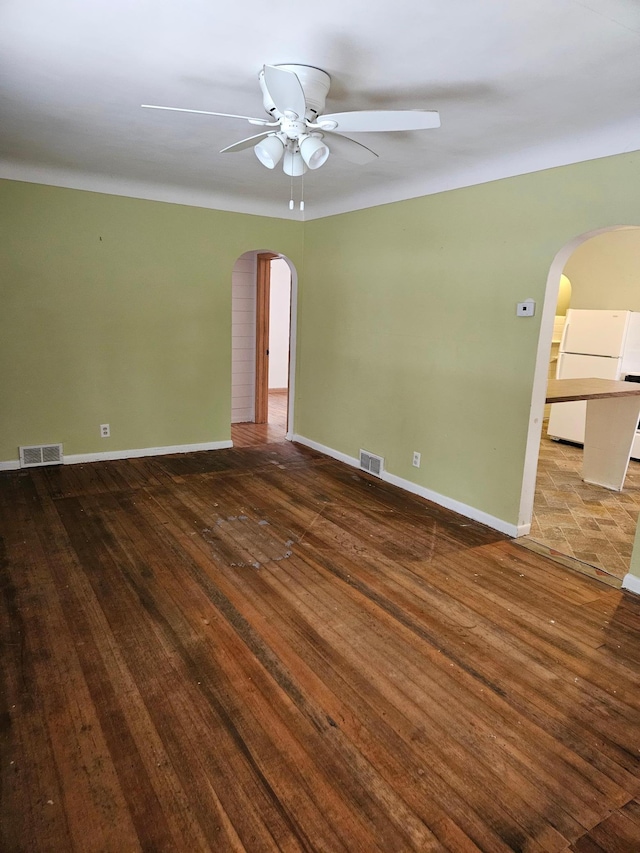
{"x": 315, "y": 85}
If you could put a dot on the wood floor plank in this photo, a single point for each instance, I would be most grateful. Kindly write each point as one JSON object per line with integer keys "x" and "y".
{"x": 260, "y": 649}
{"x": 320, "y": 722}
{"x": 137, "y": 751}
{"x": 281, "y": 609}
{"x": 513, "y": 675}
{"x": 529, "y": 661}
{"x": 174, "y": 694}
{"x": 86, "y": 786}
{"x": 616, "y": 834}
{"x": 271, "y": 719}
{"x": 414, "y": 685}
{"x": 413, "y": 732}
{"x": 321, "y": 719}
{"x": 622, "y": 795}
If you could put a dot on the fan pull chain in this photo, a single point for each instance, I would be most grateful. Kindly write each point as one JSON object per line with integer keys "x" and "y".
{"x": 291, "y": 204}
{"x": 302, "y": 191}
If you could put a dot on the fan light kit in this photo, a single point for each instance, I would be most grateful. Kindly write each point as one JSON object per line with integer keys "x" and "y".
{"x": 299, "y": 134}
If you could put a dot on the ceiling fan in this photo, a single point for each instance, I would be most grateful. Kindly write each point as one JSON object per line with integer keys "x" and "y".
{"x": 299, "y": 133}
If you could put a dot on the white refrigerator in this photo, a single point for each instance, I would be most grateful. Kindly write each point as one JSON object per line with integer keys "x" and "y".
{"x": 595, "y": 344}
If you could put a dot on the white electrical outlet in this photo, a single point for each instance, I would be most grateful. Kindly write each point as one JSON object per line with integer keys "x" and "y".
{"x": 105, "y": 431}
{"x": 416, "y": 459}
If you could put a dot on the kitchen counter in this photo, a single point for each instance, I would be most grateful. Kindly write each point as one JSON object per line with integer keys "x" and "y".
{"x": 566, "y": 390}
{"x": 613, "y": 410}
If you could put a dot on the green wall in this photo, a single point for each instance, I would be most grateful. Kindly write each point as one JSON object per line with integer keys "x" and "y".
{"x": 116, "y": 310}
{"x": 408, "y": 334}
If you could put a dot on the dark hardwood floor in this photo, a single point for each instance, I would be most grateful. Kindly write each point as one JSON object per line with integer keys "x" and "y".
{"x": 260, "y": 649}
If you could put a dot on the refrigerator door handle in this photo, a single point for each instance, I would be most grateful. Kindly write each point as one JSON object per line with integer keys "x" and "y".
{"x": 564, "y": 336}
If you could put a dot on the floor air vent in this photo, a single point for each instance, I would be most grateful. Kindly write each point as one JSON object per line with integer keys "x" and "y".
{"x": 371, "y": 463}
{"x": 40, "y": 454}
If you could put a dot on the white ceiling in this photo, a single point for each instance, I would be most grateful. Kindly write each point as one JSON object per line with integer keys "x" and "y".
{"x": 520, "y": 85}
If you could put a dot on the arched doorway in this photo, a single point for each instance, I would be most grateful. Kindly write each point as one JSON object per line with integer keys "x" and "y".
{"x": 264, "y": 302}
{"x": 586, "y": 527}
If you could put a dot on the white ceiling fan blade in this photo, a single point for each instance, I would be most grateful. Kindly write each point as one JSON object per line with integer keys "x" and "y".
{"x": 372, "y": 121}
{"x": 351, "y": 150}
{"x": 249, "y": 142}
{"x": 259, "y": 121}
{"x": 285, "y": 90}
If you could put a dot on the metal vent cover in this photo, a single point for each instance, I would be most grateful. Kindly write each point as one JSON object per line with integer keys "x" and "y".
{"x": 371, "y": 463}
{"x": 40, "y": 454}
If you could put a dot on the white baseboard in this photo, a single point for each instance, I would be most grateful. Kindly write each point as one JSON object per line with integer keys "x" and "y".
{"x": 77, "y": 458}
{"x": 327, "y": 451}
{"x": 442, "y": 500}
{"x": 631, "y": 583}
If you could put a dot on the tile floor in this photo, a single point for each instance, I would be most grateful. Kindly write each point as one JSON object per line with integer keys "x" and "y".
{"x": 586, "y": 527}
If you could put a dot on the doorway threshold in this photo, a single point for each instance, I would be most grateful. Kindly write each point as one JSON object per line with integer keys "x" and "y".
{"x": 570, "y": 562}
